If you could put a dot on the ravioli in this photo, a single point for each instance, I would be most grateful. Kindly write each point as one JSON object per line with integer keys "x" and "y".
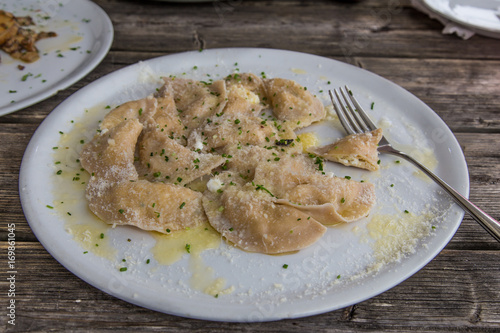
{"x": 293, "y": 103}
{"x": 246, "y": 94}
{"x": 110, "y": 155}
{"x": 149, "y": 206}
{"x": 358, "y": 150}
{"x": 255, "y": 223}
{"x": 195, "y": 101}
{"x": 138, "y": 109}
{"x": 263, "y": 195}
{"x": 117, "y": 195}
{"x": 164, "y": 159}
{"x": 332, "y": 200}
{"x": 242, "y": 130}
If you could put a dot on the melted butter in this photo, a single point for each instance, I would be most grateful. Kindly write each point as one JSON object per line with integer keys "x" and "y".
{"x": 203, "y": 278}
{"x": 298, "y": 71}
{"x": 424, "y": 155}
{"x": 308, "y": 140}
{"x": 64, "y": 43}
{"x": 170, "y": 248}
{"x": 70, "y": 181}
{"x": 92, "y": 237}
{"x": 397, "y": 235}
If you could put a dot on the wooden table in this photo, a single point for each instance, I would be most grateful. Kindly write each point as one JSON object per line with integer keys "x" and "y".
{"x": 458, "y": 291}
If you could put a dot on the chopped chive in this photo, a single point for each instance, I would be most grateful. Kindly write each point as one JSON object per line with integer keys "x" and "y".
{"x": 261, "y": 187}
{"x": 25, "y": 77}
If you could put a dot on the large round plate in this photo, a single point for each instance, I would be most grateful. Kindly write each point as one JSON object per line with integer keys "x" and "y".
{"x": 85, "y": 34}
{"x": 480, "y": 16}
{"x": 339, "y": 270}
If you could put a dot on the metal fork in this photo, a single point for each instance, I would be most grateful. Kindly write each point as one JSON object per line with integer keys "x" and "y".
{"x": 355, "y": 120}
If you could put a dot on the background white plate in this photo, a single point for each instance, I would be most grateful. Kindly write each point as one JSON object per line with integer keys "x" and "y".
{"x": 85, "y": 34}
{"x": 480, "y": 16}
{"x": 264, "y": 290}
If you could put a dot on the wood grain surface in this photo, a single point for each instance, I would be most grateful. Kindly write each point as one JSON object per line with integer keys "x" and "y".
{"x": 459, "y": 291}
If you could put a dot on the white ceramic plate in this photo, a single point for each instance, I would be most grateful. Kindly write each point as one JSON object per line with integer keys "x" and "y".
{"x": 85, "y": 34}
{"x": 480, "y": 16}
{"x": 337, "y": 271}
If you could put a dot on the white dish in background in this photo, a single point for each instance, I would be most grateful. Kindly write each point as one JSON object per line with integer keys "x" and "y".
{"x": 84, "y": 36}
{"x": 480, "y": 16}
{"x": 329, "y": 275}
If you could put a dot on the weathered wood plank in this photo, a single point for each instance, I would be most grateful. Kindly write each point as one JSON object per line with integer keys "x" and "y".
{"x": 331, "y": 28}
{"x": 450, "y": 293}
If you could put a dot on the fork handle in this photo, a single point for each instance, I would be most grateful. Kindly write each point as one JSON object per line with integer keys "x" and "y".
{"x": 487, "y": 222}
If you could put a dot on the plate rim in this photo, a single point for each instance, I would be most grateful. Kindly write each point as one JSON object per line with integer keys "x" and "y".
{"x": 29, "y": 211}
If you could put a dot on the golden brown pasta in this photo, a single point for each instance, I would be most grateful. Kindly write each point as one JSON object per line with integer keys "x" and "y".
{"x": 358, "y": 150}
{"x": 264, "y": 195}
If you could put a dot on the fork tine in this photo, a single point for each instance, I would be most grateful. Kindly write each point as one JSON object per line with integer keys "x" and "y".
{"x": 354, "y": 118}
{"x": 341, "y": 114}
{"x": 366, "y": 119}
